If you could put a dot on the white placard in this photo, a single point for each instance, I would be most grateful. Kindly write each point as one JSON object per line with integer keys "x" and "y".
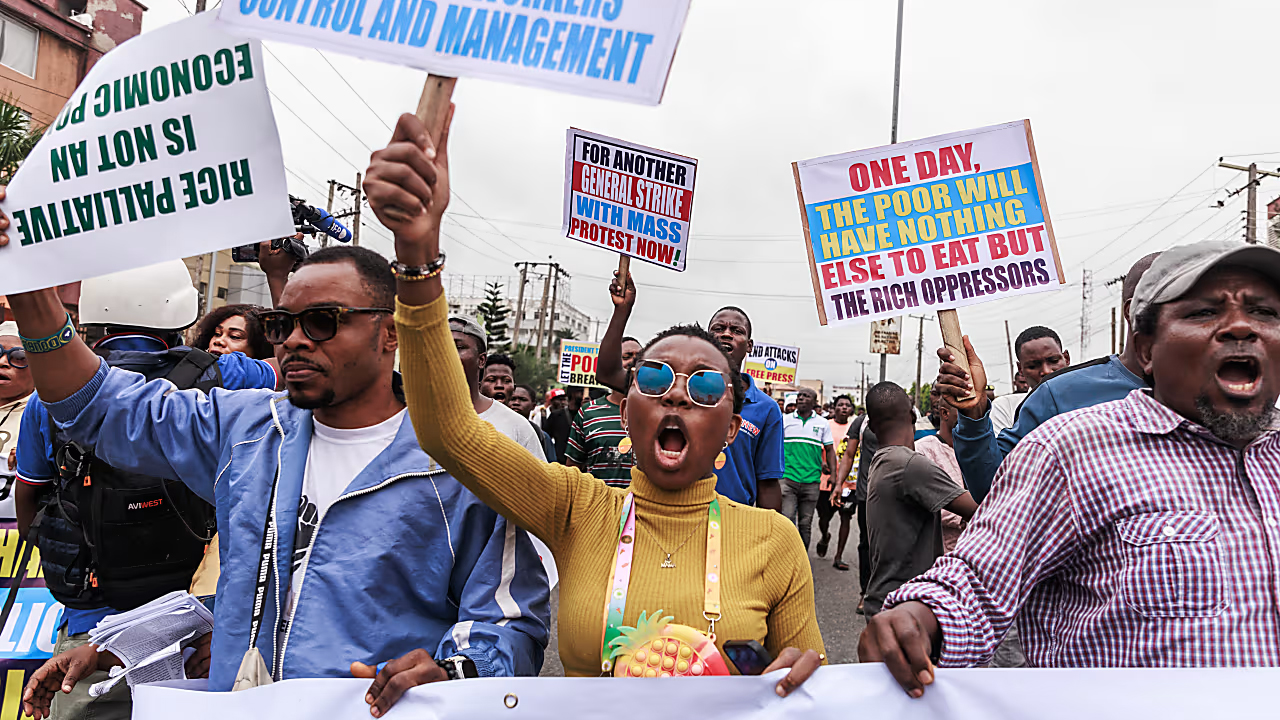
{"x": 167, "y": 149}
{"x": 935, "y": 223}
{"x": 978, "y": 694}
{"x": 628, "y": 198}
{"x": 603, "y": 48}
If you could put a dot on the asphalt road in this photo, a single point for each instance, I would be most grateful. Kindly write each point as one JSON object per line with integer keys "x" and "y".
{"x": 835, "y": 594}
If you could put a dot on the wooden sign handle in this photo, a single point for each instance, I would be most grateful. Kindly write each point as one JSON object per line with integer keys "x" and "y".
{"x": 953, "y": 338}
{"x": 433, "y": 109}
{"x": 624, "y": 267}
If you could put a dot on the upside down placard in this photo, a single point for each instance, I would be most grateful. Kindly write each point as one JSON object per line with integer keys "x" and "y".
{"x": 937, "y": 223}
{"x": 628, "y": 198}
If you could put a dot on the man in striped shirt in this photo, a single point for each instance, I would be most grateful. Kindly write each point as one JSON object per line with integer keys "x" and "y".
{"x": 1143, "y": 532}
{"x": 597, "y": 441}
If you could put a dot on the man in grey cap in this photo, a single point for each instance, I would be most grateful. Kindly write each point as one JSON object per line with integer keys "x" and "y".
{"x": 979, "y": 450}
{"x": 1143, "y": 532}
{"x": 472, "y": 342}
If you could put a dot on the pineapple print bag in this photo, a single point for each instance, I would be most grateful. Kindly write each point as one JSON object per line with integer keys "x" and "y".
{"x": 655, "y": 647}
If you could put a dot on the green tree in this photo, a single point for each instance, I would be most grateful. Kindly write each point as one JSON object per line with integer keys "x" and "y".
{"x": 493, "y": 313}
{"x": 925, "y": 404}
{"x": 540, "y": 375}
{"x": 18, "y": 136}
{"x": 564, "y": 334}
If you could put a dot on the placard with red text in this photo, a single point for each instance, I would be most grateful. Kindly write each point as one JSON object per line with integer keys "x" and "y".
{"x": 628, "y": 198}
{"x": 936, "y": 223}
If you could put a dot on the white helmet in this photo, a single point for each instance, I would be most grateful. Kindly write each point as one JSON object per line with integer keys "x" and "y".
{"x": 157, "y": 297}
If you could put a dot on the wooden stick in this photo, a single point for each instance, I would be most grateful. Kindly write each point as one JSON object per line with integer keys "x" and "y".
{"x": 433, "y": 108}
{"x": 624, "y": 268}
{"x": 949, "y": 323}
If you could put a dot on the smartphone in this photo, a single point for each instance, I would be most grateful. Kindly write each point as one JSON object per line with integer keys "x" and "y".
{"x": 748, "y": 656}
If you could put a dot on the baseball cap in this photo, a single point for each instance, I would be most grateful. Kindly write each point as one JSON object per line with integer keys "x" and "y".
{"x": 1177, "y": 270}
{"x": 467, "y": 326}
{"x": 554, "y": 393}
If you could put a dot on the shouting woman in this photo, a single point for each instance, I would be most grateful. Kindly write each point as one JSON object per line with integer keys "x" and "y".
{"x": 655, "y": 578}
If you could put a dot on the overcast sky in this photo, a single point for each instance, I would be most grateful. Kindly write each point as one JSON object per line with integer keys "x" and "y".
{"x": 1131, "y": 105}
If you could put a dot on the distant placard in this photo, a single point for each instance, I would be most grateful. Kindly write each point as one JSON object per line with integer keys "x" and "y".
{"x": 628, "y": 198}
{"x": 578, "y": 363}
{"x": 772, "y": 363}
{"x": 937, "y": 223}
{"x": 609, "y": 49}
{"x": 167, "y": 149}
{"x": 886, "y": 336}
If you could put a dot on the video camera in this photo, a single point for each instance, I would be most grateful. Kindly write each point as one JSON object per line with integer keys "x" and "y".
{"x": 307, "y": 220}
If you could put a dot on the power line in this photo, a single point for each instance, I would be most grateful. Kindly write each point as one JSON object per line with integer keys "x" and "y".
{"x": 320, "y": 102}
{"x": 352, "y": 88}
{"x": 313, "y": 131}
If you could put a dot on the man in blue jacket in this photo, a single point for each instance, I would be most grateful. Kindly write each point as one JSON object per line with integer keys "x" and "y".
{"x": 370, "y": 551}
{"x": 979, "y": 450}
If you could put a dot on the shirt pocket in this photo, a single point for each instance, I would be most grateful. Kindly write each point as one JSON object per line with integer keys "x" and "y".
{"x": 1171, "y": 565}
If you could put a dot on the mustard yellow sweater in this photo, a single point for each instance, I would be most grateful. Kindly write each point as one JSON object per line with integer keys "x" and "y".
{"x": 766, "y": 587}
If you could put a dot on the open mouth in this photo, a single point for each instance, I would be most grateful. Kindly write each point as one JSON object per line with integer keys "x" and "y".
{"x": 1240, "y": 376}
{"x": 672, "y": 444}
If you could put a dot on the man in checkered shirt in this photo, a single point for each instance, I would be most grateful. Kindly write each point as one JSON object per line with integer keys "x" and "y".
{"x": 1143, "y": 532}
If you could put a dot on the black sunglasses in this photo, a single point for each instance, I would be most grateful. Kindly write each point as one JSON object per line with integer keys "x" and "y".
{"x": 17, "y": 356}
{"x": 319, "y": 324}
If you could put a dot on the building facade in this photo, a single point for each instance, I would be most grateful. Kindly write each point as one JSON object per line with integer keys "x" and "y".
{"x": 466, "y": 294}
{"x": 47, "y": 46}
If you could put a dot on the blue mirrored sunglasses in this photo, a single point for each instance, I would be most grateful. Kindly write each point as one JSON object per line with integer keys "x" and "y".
{"x": 17, "y": 356}
{"x": 655, "y": 378}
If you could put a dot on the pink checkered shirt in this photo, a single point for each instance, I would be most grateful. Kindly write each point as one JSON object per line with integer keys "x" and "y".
{"x": 1118, "y": 535}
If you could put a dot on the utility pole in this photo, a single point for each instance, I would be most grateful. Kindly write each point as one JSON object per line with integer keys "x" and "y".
{"x": 200, "y": 6}
{"x": 920, "y": 360}
{"x": 1086, "y": 308}
{"x": 1251, "y": 212}
{"x": 864, "y": 365}
{"x": 1013, "y": 368}
{"x": 1113, "y": 330}
{"x": 596, "y": 323}
{"x": 324, "y": 239}
{"x": 551, "y": 323}
{"x": 355, "y": 229}
{"x": 524, "y": 267}
{"x": 542, "y": 314}
{"x": 893, "y": 132}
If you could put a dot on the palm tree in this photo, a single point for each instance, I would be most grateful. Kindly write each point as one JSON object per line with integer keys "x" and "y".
{"x": 18, "y": 137}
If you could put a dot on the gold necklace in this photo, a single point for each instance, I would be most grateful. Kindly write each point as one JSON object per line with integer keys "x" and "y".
{"x": 667, "y": 563}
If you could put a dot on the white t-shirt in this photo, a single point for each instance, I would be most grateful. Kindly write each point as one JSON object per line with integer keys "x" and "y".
{"x": 1003, "y": 410}
{"x": 515, "y": 426}
{"x": 335, "y": 458}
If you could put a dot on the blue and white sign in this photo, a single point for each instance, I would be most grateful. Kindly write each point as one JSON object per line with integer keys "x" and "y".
{"x": 603, "y": 48}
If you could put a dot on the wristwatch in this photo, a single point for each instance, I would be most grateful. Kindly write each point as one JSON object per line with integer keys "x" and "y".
{"x": 458, "y": 667}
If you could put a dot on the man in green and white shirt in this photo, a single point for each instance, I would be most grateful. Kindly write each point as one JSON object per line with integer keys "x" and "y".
{"x": 809, "y": 453}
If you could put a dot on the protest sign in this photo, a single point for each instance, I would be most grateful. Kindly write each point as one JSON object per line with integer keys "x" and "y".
{"x": 886, "y": 336}
{"x": 603, "y": 49}
{"x": 772, "y": 363}
{"x": 628, "y": 198}
{"x": 578, "y": 363}
{"x": 29, "y": 636}
{"x": 956, "y": 694}
{"x": 939, "y": 223}
{"x": 168, "y": 148}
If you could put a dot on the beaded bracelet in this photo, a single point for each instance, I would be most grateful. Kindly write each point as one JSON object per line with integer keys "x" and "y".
{"x": 419, "y": 272}
{"x": 59, "y": 339}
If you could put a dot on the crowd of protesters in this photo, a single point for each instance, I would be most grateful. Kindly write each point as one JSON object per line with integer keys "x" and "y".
{"x": 400, "y": 526}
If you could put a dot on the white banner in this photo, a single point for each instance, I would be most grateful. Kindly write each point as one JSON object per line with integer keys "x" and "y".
{"x": 886, "y": 336}
{"x": 168, "y": 148}
{"x": 833, "y": 693}
{"x": 608, "y": 49}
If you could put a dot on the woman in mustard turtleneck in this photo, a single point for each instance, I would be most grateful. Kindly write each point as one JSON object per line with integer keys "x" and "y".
{"x": 668, "y": 543}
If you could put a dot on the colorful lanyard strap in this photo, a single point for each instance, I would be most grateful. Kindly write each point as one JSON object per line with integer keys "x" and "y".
{"x": 616, "y": 605}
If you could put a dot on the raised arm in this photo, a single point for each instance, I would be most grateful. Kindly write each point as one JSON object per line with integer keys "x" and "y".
{"x": 609, "y": 370}
{"x": 408, "y": 188}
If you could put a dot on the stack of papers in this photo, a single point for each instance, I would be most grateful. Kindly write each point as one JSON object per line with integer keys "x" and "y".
{"x": 149, "y": 639}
